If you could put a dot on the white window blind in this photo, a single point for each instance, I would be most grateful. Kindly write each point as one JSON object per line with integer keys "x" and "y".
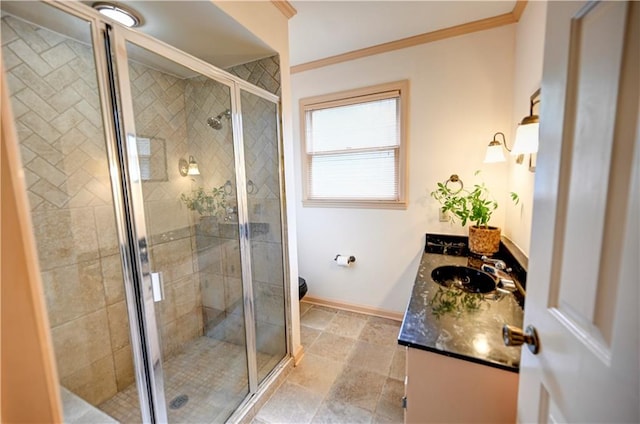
{"x": 353, "y": 148}
{"x": 144, "y": 157}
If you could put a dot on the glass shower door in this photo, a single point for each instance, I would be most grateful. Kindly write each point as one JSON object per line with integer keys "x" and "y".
{"x": 262, "y": 165}
{"x": 75, "y": 207}
{"x": 183, "y": 178}
{"x": 153, "y": 275}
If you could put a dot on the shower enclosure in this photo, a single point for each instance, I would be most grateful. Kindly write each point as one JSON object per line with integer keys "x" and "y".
{"x": 154, "y": 182}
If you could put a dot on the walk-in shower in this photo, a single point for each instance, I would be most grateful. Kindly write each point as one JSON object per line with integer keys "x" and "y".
{"x": 216, "y": 122}
{"x": 163, "y": 305}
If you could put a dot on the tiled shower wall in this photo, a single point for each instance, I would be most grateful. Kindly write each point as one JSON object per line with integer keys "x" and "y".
{"x": 160, "y": 116}
{"x": 219, "y": 255}
{"x": 200, "y": 256}
{"x": 216, "y": 237}
{"x": 265, "y": 73}
{"x": 262, "y": 167}
{"x": 56, "y": 105}
{"x": 55, "y": 101}
{"x": 263, "y": 200}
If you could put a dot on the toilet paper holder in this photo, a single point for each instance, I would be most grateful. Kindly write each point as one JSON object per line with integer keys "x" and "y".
{"x": 350, "y": 260}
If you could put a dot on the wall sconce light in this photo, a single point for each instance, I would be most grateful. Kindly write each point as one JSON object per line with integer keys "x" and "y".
{"x": 188, "y": 168}
{"x": 494, "y": 150}
{"x": 527, "y": 133}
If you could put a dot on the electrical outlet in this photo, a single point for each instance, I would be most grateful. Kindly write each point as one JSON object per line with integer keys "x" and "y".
{"x": 444, "y": 215}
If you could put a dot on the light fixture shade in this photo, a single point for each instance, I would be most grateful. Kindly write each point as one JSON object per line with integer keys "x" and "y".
{"x": 118, "y": 13}
{"x": 526, "y": 139}
{"x": 193, "y": 167}
{"x": 494, "y": 153}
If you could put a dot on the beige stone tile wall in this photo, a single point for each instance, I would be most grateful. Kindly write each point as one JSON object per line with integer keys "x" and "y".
{"x": 161, "y": 103}
{"x": 262, "y": 167}
{"x": 219, "y": 253}
{"x": 212, "y": 149}
{"x": 221, "y": 280}
{"x": 263, "y": 199}
{"x": 265, "y": 73}
{"x": 56, "y": 104}
{"x": 218, "y": 248}
{"x": 55, "y": 100}
{"x": 215, "y": 250}
{"x": 161, "y": 114}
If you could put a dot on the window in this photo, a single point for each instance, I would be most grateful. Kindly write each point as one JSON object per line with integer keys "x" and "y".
{"x": 152, "y": 159}
{"x": 354, "y": 147}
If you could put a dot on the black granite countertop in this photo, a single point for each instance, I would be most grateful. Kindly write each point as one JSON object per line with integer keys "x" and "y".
{"x": 450, "y": 322}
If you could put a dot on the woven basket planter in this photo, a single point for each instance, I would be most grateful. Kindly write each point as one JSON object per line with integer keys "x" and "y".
{"x": 484, "y": 240}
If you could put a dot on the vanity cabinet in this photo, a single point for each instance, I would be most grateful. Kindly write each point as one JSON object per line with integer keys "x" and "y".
{"x": 442, "y": 389}
{"x": 458, "y": 369}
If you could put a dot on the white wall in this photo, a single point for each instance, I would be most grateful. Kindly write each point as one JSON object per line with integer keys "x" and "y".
{"x": 461, "y": 94}
{"x": 527, "y": 77}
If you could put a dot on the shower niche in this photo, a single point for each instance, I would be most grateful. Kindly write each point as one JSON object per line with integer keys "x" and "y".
{"x": 167, "y": 293}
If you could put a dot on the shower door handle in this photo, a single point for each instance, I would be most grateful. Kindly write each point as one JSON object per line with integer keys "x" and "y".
{"x": 157, "y": 286}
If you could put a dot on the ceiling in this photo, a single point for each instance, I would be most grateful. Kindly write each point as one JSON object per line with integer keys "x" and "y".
{"x": 197, "y": 27}
{"x": 322, "y": 29}
{"x": 201, "y": 29}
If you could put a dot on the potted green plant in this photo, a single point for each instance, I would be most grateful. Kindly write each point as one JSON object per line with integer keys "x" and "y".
{"x": 207, "y": 202}
{"x": 474, "y": 206}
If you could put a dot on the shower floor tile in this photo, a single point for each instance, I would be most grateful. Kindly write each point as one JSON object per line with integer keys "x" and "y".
{"x": 215, "y": 387}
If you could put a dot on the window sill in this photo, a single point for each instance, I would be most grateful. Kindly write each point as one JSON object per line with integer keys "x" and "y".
{"x": 355, "y": 204}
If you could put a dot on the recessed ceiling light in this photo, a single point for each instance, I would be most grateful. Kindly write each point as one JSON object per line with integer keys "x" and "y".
{"x": 118, "y": 13}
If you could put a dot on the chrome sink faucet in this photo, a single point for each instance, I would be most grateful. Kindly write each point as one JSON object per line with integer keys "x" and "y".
{"x": 498, "y": 263}
{"x": 499, "y": 270}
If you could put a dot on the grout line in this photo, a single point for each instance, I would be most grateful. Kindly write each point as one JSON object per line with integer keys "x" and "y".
{"x": 387, "y": 376}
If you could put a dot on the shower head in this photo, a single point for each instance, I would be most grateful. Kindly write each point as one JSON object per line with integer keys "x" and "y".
{"x": 216, "y": 122}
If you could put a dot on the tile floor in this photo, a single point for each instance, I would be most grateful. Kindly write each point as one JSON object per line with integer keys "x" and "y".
{"x": 78, "y": 411}
{"x": 352, "y": 372}
{"x": 212, "y": 373}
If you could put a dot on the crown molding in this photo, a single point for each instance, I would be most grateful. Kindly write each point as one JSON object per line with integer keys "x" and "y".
{"x": 518, "y": 9}
{"x": 428, "y": 37}
{"x": 285, "y": 7}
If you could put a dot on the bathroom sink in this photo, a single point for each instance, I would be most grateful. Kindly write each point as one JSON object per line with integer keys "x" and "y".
{"x": 468, "y": 279}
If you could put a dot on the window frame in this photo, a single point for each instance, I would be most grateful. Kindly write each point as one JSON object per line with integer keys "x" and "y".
{"x": 350, "y": 97}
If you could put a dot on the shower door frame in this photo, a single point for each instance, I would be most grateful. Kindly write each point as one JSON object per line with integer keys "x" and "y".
{"x": 119, "y": 128}
{"x": 121, "y": 36}
{"x": 116, "y": 162}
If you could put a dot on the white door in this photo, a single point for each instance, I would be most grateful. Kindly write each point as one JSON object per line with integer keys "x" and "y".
{"x": 583, "y": 280}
